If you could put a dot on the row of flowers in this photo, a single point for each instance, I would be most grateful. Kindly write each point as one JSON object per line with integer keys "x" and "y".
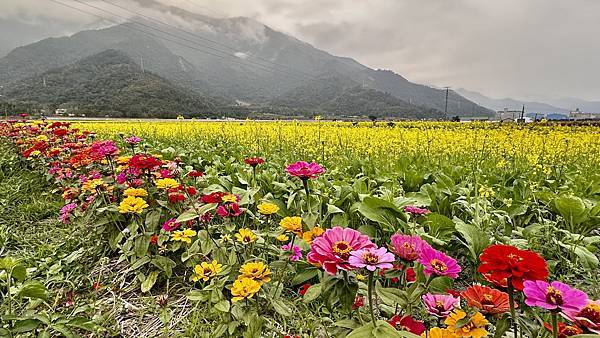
{"x": 96, "y": 173}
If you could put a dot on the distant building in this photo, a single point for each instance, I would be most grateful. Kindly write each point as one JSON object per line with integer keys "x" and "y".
{"x": 506, "y": 114}
{"x": 579, "y": 115}
{"x": 60, "y": 111}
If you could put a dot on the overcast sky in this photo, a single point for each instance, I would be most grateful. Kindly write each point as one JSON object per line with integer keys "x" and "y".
{"x": 528, "y": 49}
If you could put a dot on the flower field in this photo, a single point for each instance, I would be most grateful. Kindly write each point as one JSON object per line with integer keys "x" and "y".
{"x": 305, "y": 229}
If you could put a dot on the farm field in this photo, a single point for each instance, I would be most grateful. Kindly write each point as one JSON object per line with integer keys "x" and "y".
{"x": 299, "y": 229}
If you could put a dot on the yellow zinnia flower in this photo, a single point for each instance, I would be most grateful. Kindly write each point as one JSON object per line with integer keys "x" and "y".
{"x": 473, "y": 327}
{"x": 244, "y": 288}
{"x": 231, "y": 198}
{"x": 206, "y": 271}
{"x": 258, "y": 271}
{"x": 361, "y": 277}
{"x": 135, "y": 192}
{"x": 132, "y": 205}
{"x": 92, "y": 184}
{"x": 309, "y": 236}
{"x": 245, "y": 236}
{"x": 436, "y": 332}
{"x": 183, "y": 235}
{"x": 268, "y": 208}
{"x": 282, "y": 238}
{"x": 293, "y": 224}
{"x": 166, "y": 183}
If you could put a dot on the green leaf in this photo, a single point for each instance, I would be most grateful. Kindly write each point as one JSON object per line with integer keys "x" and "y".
{"x": 149, "y": 281}
{"x": 84, "y": 324}
{"x": 165, "y": 264}
{"x": 313, "y": 292}
{"x": 33, "y": 289}
{"x": 141, "y": 246}
{"x": 572, "y": 209}
{"x": 223, "y": 305}
{"x": 140, "y": 262}
{"x": 198, "y": 295}
{"x": 25, "y": 325}
{"x": 391, "y": 296}
{"x": 305, "y": 275}
{"x": 476, "y": 239}
{"x": 381, "y": 329}
{"x": 196, "y": 212}
{"x": 281, "y": 307}
{"x": 440, "y": 226}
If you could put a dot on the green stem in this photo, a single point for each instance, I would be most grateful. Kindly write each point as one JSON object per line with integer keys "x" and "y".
{"x": 511, "y": 300}
{"x": 370, "y": 295}
{"x": 554, "y": 316}
{"x": 8, "y": 279}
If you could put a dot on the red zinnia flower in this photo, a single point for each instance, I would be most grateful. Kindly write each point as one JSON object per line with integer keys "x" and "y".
{"x": 565, "y": 330}
{"x": 254, "y": 161}
{"x": 500, "y": 262}
{"x": 195, "y": 174}
{"x": 486, "y": 299}
{"x": 303, "y": 289}
{"x": 407, "y": 323}
{"x": 213, "y": 197}
{"x": 359, "y": 301}
{"x": 143, "y": 161}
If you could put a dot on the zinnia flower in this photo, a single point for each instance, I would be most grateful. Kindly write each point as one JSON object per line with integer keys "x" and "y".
{"x": 183, "y": 235}
{"x": 171, "y": 225}
{"x": 166, "y": 183}
{"x": 296, "y": 252}
{"x": 213, "y": 197}
{"x": 438, "y": 264}
{"x": 407, "y": 323}
{"x": 564, "y": 330}
{"x": 305, "y": 170}
{"x": 246, "y": 236}
{"x": 440, "y": 305}
{"x": 258, "y": 271}
{"x": 229, "y": 210}
{"x": 133, "y": 205}
{"x": 293, "y": 224}
{"x": 486, "y": 299}
{"x": 244, "y": 288}
{"x": 206, "y": 271}
{"x": 282, "y": 238}
{"x": 135, "y": 192}
{"x": 408, "y": 247}
{"x": 371, "y": 258}
{"x": 230, "y": 198}
{"x": 437, "y": 332}
{"x": 554, "y": 296}
{"x": 132, "y": 140}
{"x": 332, "y": 250}
{"x": 310, "y": 235}
{"x": 467, "y": 327}
{"x": 143, "y": 161}
{"x": 588, "y": 316}
{"x": 416, "y": 211}
{"x": 500, "y": 262}
{"x": 254, "y": 161}
{"x": 268, "y": 208}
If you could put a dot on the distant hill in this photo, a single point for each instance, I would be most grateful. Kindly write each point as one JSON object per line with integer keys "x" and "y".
{"x": 262, "y": 68}
{"x": 110, "y": 82}
{"x": 512, "y": 104}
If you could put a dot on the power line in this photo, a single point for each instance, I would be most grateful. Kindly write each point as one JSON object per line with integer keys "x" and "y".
{"x": 234, "y": 59}
{"x": 198, "y": 36}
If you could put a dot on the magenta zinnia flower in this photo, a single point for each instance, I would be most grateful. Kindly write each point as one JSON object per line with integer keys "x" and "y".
{"x": 440, "y": 305}
{"x": 332, "y": 249}
{"x": 296, "y": 252}
{"x": 408, "y": 247}
{"x": 439, "y": 264}
{"x": 553, "y": 296}
{"x": 171, "y": 225}
{"x": 416, "y": 211}
{"x": 305, "y": 170}
{"x": 371, "y": 258}
{"x": 588, "y": 316}
{"x": 133, "y": 140}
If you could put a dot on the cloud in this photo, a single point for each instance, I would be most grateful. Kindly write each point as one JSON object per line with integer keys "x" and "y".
{"x": 518, "y": 48}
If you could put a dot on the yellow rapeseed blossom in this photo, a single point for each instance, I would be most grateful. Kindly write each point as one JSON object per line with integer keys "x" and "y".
{"x": 268, "y": 208}
{"x": 244, "y": 288}
{"x": 246, "y": 236}
{"x": 471, "y": 327}
{"x": 166, "y": 183}
{"x": 183, "y": 235}
{"x": 258, "y": 271}
{"x": 132, "y": 205}
{"x": 293, "y": 224}
{"x": 206, "y": 271}
{"x": 135, "y": 192}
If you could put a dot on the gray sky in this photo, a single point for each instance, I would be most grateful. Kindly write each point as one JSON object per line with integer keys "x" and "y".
{"x": 528, "y": 49}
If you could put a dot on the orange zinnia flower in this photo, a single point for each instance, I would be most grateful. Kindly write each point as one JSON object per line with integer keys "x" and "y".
{"x": 486, "y": 299}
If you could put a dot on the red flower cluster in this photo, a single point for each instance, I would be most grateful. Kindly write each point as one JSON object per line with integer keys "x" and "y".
{"x": 502, "y": 262}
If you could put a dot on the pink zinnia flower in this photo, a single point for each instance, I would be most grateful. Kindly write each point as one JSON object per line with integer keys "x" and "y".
{"x": 332, "y": 249}
{"x": 439, "y": 264}
{"x": 171, "y": 225}
{"x": 133, "y": 140}
{"x": 305, "y": 170}
{"x": 588, "y": 316}
{"x": 371, "y": 258}
{"x": 104, "y": 148}
{"x": 553, "y": 296}
{"x": 229, "y": 210}
{"x": 416, "y": 211}
{"x": 440, "y": 305}
{"x": 296, "y": 252}
{"x": 408, "y": 247}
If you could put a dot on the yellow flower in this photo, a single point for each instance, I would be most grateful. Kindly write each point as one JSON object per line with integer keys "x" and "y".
{"x": 123, "y": 159}
{"x": 135, "y": 192}
{"x": 42, "y": 138}
{"x": 244, "y": 288}
{"x": 225, "y": 238}
{"x": 166, "y": 183}
{"x": 245, "y": 236}
{"x": 258, "y": 271}
{"x": 282, "y": 238}
{"x": 92, "y": 184}
{"x": 132, "y": 205}
{"x": 309, "y": 236}
{"x": 206, "y": 271}
{"x": 360, "y": 277}
{"x": 293, "y": 224}
{"x": 35, "y": 153}
{"x": 231, "y": 198}
{"x": 473, "y": 327}
{"x": 183, "y": 235}
{"x": 268, "y": 208}
{"x": 436, "y": 332}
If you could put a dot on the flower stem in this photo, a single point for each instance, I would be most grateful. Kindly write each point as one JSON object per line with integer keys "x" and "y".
{"x": 554, "y": 316}
{"x": 370, "y": 295}
{"x": 511, "y": 300}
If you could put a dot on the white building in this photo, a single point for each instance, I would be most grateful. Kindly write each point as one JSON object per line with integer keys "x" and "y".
{"x": 506, "y": 114}
{"x": 579, "y": 115}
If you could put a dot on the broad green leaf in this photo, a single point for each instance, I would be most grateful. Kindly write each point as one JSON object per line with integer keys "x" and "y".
{"x": 148, "y": 283}
{"x": 25, "y": 325}
{"x": 313, "y": 292}
{"x": 281, "y": 307}
{"x": 165, "y": 264}
{"x": 572, "y": 209}
{"x": 33, "y": 289}
{"x": 223, "y": 305}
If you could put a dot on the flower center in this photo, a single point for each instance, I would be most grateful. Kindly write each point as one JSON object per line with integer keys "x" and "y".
{"x": 370, "y": 258}
{"x": 247, "y": 239}
{"x": 439, "y": 305}
{"x": 342, "y": 249}
{"x": 487, "y": 299}
{"x": 591, "y": 312}
{"x": 468, "y": 327}
{"x": 438, "y": 265}
{"x": 554, "y": 296}
{"x": 514, "y": 258}
{"x": 570, "y": 331}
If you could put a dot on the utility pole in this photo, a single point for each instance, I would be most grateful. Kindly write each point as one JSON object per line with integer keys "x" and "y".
{"x": 446, "y": 107}
{"x": 44, "y": 80}
{"x": 142, "y": 63}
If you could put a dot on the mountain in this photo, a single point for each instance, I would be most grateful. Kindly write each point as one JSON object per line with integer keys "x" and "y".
{"x": 512, "y": 104}
{"x": 575, "y": 103}
{"x": 264, "y": 66}
{"x": 109, "y": 81}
